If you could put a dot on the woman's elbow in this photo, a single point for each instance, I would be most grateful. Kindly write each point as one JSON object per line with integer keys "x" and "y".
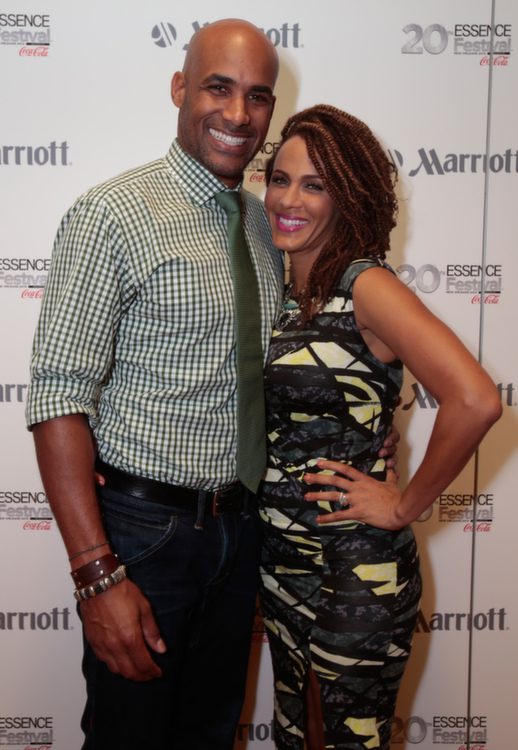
{"x": 495, "y": 406}
{"x": 486, "y": 404}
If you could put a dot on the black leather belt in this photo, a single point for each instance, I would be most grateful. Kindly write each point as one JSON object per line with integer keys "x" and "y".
{"x": 229, "y": 499}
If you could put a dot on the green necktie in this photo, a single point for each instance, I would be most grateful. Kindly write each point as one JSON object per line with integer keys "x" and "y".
{"x": 251, "y": 426}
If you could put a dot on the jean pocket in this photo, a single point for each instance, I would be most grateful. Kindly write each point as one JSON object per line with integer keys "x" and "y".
{"x": 136, "y": 528}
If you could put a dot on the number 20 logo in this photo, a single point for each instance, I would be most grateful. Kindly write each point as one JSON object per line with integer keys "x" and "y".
{"x": 425, "y": 279}
{"x": 432, "y": 39}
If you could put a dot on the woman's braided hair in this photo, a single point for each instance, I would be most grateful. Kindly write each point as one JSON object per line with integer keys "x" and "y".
{"x": 360, "y": 180}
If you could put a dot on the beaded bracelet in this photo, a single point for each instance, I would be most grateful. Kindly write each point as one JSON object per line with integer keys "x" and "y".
{"x": 103, "y": 584}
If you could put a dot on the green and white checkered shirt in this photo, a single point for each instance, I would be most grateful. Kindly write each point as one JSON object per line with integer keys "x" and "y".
{"x": 137, "y": 323}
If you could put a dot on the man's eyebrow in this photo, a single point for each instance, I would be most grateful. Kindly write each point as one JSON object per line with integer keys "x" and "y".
{"x": 262, "y": 89}
{"x": 220, "y": 78}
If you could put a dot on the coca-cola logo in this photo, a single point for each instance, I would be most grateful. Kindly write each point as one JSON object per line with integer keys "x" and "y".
{"x": 32, "y": 293}
{"x": 39, "y": 51}
{"x": 499, "y": 60}
{"x": 37, "y": 525}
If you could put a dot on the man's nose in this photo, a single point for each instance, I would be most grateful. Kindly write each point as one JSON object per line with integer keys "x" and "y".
{"x": 236, "y": 111}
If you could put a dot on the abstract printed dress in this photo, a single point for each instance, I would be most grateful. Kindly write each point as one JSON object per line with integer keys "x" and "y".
{"x": 339, "y": 599}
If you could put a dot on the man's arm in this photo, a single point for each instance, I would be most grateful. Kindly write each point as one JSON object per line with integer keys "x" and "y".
{"x": 118, "y": 623}
{"x": 388, "y": 450}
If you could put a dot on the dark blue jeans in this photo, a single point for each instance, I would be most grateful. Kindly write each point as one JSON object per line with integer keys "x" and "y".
{"x": 201, "y": 583}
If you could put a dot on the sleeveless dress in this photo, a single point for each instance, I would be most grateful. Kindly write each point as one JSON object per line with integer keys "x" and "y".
{"x": 340, "y": 599}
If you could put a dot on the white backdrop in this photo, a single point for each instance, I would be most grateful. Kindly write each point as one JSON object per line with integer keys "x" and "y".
{"x": 85, "y": 94}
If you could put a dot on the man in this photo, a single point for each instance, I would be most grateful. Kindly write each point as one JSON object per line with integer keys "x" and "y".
{"x": 136, "y": 341}
{"x": 136, "y": 346}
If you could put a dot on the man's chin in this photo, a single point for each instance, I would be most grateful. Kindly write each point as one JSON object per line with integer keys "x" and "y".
{"x": 227, "y": 170}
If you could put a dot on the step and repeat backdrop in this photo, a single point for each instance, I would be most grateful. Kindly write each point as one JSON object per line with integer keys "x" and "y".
{"x": 85, "y": 95}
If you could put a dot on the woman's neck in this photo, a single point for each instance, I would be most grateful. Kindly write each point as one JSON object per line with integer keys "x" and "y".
{"x": 299, "y": 274}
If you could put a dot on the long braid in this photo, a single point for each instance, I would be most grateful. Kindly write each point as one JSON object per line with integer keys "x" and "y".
{"x": 360, "y": 180}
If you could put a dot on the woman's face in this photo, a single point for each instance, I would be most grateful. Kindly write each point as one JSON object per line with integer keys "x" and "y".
{"x": 300, "y": 211}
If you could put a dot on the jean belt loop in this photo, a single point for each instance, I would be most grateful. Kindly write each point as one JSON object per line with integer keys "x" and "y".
{"x": 200, "y": 510}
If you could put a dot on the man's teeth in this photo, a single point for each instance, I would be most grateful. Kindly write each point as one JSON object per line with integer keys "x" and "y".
{"x": 230, "y": 140}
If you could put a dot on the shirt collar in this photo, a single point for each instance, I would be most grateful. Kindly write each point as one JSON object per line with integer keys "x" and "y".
{"x": 200, "y": 184}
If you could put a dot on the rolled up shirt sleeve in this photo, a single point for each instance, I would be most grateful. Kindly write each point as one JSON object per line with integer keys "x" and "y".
{"x": 74, "y": 341}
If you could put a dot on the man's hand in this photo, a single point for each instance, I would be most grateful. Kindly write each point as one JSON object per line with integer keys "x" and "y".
{"x": 389, "y": 449}
{"x": 120, "y": 627}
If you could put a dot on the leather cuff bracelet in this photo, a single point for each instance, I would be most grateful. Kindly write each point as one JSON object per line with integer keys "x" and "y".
{"x": 103, "y": 584}
{"x": 92, "y": 571}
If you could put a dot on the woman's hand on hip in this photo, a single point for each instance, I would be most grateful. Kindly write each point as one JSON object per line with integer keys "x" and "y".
{"x": 363, "y": 498}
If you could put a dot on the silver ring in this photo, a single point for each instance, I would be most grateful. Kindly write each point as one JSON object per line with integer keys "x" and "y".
{"x": 342, "y": 499}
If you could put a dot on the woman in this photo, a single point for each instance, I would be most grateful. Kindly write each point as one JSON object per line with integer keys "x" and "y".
{"x": 340, "y": 578}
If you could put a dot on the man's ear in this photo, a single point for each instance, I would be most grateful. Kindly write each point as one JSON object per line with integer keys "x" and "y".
{"x": 178, "y": 88}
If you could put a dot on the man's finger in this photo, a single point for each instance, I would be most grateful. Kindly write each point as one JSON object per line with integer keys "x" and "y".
{"x": 152, "y": 634}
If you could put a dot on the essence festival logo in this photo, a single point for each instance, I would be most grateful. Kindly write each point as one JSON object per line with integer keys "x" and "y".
{"x": 430, "y": 162}
{"x": 255, "y": 171}
{"x": 26, "y": 274}
{"x": 30, "y": 32}
{"x": 29, "y": 507}
{"x": 459, "y": 731}
{"x": 479, "y": 283}
{"x": 34, "y": 732}
{"x": 164, "y": 34}
{"x": 485, "y": 42}
{"x": 53, "y": 155}
{"x": 474, "y": 512}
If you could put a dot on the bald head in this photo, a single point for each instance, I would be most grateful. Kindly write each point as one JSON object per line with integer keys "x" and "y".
{"x": 240, "y": 32}
{"x": 225, "y": 96}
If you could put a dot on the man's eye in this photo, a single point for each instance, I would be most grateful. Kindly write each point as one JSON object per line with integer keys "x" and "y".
{"x": 217, "y": 88}
{"x": 260, "y": 98}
